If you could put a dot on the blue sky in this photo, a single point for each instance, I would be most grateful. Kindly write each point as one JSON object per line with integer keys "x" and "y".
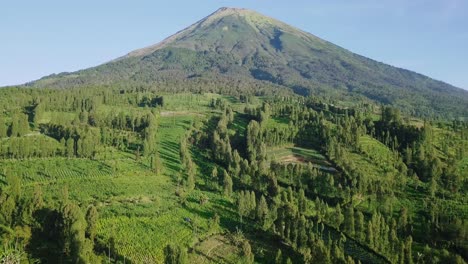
{"x": 38, "y": 38}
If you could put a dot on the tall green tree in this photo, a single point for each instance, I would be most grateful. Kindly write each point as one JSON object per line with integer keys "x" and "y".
{"x": 73, "y": 233}
{"x": 91, "y": 220}
{"x": 19, "y": 125}
{"x": 262, "y": 210}
{"x": 214, "y": 177}
{"x": 3, "y": 128}
{"x": 360, "y": 226}
{"x": 338, "y": 216}
{"x": 174, "y": 254}
{"x": 227, "y": 184}
{"x": 349, "y": 220}
{"x": 70, "y": 147}
{"x": 279, "y": 257}
{"x": 248, "y": 255}
{"x": 408, "y": 250}
{"x": 38, "y": 113}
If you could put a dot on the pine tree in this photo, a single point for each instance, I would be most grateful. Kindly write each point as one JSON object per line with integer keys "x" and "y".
{"x": 9, "y": 199}
{"x": 252, "y": 204}
{"x": 408, "y": 250}
{"x": 247, "y": 252}
{"x": 302, "y": 233}
{"x": 83, "y": 116}
{"x": 349, "y": 220}
{"x": 242, "y": 205}
{"x": 38, "y": 113}
{"x": 235, "y": 164}
{"x": 73, "y": 232}
{"x": 279, "y": 257}
{"x": 14, "y": 126}
{"x": 401, "y": 255}
{"x": 70, "y": 147}
{"x": 302, "y": 201}
{"x": 253, "y": 140}
{"x": 403, "y": 220}
{"x": 394, "y": 241}
{"x": 370, "y": 234}
{"x": 3, "y": 129}
{"x": 360, "y": 229}
{"x": 23, "y": 125}
{"x": 262, "y": 210}
{"x": 350, "y": 260}
{"x": 273, "y": 187}
{"x": 338, "y": 216}
{"x": 214, "y": 177}
{"x": 14, "y": 183}
{"x": 91, "y": 220}
{"x": 227, "y": 184}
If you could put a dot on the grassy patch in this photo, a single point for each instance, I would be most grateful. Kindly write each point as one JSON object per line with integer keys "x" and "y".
{"x": 277, "y": 122}
{"x": 55, "y": 169}
{"x": 216, "y": 249}
{"x": 292, "y": 154}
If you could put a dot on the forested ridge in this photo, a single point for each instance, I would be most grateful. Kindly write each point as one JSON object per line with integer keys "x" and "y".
{"x": 141, "y": 175}
{"x": 242, "y": 50}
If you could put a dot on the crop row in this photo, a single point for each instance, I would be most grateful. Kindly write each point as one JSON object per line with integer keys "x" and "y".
{"x": 143, "y": 239}
{"x": 59, "y": 174}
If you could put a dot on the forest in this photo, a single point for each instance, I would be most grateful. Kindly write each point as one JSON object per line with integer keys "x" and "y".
{"x": 177, "y": 173}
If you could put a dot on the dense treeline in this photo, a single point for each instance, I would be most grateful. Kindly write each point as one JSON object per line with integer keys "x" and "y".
{"x": 63, "y": 231}
{"x": 280, "y": 197}
{"x": 81, "y": 137}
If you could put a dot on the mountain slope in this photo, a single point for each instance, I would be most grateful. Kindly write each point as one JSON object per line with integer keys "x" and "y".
{"x": 241, "y": 46}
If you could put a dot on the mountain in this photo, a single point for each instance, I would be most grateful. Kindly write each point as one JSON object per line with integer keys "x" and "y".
{"x": 239, "y": 47}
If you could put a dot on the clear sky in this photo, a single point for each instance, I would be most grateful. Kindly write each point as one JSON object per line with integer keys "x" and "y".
{"x": 38, "y": 38}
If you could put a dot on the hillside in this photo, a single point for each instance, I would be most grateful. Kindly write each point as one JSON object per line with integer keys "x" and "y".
{"x": 247, "y": 51}
{"x": 237, "y": 140}
{"x": 114, "y": 175}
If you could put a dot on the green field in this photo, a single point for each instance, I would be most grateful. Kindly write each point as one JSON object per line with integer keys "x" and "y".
{"x": 139, "y": 211}
{"x": 300, "y": 155}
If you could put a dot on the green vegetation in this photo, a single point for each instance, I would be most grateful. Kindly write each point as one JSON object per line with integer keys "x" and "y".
{"x": 296, "y": 153}
{"x": 221, "y": 54}
{"x": 191, "y": 160}
{"x": 95, "y": 177}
